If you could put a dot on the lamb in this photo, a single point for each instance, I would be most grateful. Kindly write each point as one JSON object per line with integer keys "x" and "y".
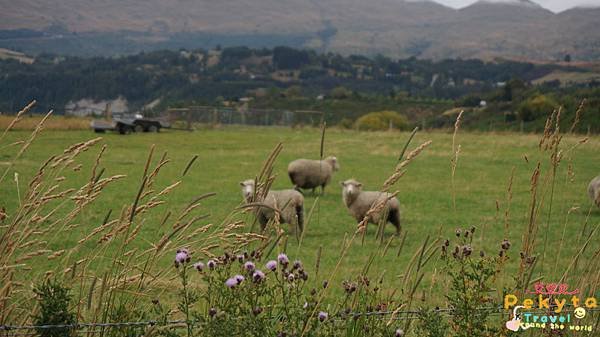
{"x": 359, "y": 202}
{"x": 289, "y": 203}
{"x": 309, "y": 174}
{"x": 594, "y": 190}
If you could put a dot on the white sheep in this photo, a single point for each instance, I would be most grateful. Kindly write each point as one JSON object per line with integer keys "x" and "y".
{"x": 310, "y": 174}
{"x": 289, "y": 204}
{"x": 359, "y": 202}
{"x": 594, "y": 190}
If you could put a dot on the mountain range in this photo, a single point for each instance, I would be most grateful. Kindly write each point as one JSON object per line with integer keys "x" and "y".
{"x": 487, "y": 29}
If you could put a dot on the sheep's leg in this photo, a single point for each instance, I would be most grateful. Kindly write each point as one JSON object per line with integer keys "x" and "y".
{"x": 323, "y": 189}
{"x": 262, "y": 219}
{"x": 394, "y": 218}
{"x": 300, "y": 217}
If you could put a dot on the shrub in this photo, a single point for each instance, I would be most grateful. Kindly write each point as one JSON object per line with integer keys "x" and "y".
{"x": 470, "y": 100}
{"x": 293, "y": 91}
{"x": 471, "y": 282}
{"x": 244, "y": 296}
{"x": 341, "y": 93}
{"x": 125, "y": 310}
{"x": 346, "y": 123}
{"x": 431, "y": 323}
{"x": 536, "y": 107}
{"x": 54, "y": 300}
{"x": 383, "y": 120}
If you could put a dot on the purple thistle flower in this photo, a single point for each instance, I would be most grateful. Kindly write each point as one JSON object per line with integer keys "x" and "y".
{"x": 199, "y": 266}
{"x": 182, "y": 257}
{"x": 467, "y": 250}
{"x": 297, "y": 264}
{"x": 399, "y": 333}
{"x": 239, "y": 278}
{"x": 211, "y": 264}
{"x": 241, "y": 258}
{"x": 231, "y": 282}
{"x": 291, "y": 277}
{"x": 249, "y": 266}
{"x": 283, "y": 259}
{"x": 258, "y": 276}
{"x": 271, "y": 265}
{"x": 323, "y": 316}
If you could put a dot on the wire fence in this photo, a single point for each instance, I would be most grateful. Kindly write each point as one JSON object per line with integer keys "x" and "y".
{"x": 390, "y": 315}
{"x": 243, "y": 115}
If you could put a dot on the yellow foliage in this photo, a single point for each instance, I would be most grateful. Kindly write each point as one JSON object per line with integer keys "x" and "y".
{"x": 382, "y": 120}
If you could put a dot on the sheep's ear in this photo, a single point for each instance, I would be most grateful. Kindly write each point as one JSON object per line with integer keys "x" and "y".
{"x": 342, "y": 183}
{"x": 359, "y": 185}
{"x": 242, "y": 184}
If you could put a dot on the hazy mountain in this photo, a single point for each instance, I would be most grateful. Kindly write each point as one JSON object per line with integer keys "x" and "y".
{"x": 402, "y": 28}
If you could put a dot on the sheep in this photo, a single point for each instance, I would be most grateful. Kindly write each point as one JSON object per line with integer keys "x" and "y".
{"x": 359, "y": 202}
{"x": 309, "y": 174}
{"x": 594, "y": 190}
{"x": 289, "y": 204}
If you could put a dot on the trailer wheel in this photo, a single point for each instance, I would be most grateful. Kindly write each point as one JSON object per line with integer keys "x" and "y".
{"x": 124, "y": 129}
{"x": 99, "y": 130}
{"x": 153, "y": 128}
{"x": 138, "y": 128}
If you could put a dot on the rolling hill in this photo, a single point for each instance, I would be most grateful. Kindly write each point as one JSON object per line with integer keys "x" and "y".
{"x": 399, "y": 28}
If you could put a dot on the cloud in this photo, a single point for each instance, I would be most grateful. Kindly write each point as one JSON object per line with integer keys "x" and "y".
{"x": 553, "y": 5}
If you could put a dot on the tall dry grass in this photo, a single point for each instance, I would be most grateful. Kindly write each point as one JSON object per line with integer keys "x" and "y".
{"x": 111, "y": 263}
{"x": 30, "y": 122}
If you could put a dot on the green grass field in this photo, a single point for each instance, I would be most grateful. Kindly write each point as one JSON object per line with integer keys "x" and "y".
{"x": 230, "y": 155}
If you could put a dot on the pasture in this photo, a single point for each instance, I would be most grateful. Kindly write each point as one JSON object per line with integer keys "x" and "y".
{"x": 486, "y": 181}
{"x": 484, "y": 196}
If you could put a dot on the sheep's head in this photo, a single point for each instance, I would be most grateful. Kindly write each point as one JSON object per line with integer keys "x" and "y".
{"x": 351, "y": 188}
{"x": 334, "y": 163}
{"x": 247, "y": 189}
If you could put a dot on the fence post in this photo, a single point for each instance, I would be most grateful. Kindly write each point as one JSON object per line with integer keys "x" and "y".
{"x": 522, "y": 126}
{"x": 215, "y": 117}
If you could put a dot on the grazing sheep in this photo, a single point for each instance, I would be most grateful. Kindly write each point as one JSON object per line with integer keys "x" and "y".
{"x": 359, "y": 202}
{"x": 594, "y": 190}
{"x": 307, "y": 173}
{"x": 289, "y": 203}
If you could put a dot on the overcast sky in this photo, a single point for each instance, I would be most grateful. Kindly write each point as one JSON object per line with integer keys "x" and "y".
{"x": 553, "y": 5}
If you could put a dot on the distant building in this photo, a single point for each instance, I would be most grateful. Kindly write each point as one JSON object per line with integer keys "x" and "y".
{"x": 89, "y": 107}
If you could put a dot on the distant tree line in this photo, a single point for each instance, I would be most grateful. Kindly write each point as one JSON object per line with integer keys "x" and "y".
{"x": 289, "y": 76}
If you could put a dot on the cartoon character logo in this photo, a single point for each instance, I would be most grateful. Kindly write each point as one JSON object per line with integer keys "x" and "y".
{"x": 580, "y": 312}
{"x": 515, "y": 323}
